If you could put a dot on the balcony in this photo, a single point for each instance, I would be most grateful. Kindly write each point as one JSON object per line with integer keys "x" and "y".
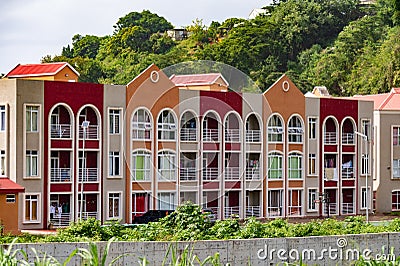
{"x": 253, "y": 173}
{"x": 60, "y": 131}
{"x": 231, "y": 212}
{"x": 61, "y": 220}
{"x": 232, "y": 173}
{"x": 89, "y": 175}
{"x": 348, "y": 138}
{"x": 232, "y": 135}
{"x": 253, "y": 135}
{"x": 253, "y": 211}
{"x": 347, "y": 173}
{"x": 330, "y": 138}
{"x": 347, "y": 208}
{"x": 60, "y": 175}
{"x": 188, "y": 134}
{"x": 92, "y": 132}
{"x": 210, "y": 134}
{"x": 87, "y": 215}
{"x": 210, "y": 173}
{"x": 187, "y": 174}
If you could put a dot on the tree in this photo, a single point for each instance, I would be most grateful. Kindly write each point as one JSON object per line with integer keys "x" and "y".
{"x": 147, "y": 20}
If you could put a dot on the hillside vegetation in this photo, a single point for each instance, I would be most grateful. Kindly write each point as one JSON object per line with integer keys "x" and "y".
{"x": 347, "y": 47}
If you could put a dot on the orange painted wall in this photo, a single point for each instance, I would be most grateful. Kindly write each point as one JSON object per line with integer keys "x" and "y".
{"x": 9, "y": 215}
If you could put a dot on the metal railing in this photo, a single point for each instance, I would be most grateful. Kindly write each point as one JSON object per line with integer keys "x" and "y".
{"x": 141, "y": 174}
{"x": 188, "y": 134}
{"x": 330, "y": 138}
{"x": 332, "y": 208}
{"x": 87, "y": 215}
{"x": 166, "y": 174}
{"x": 89, "y": 175}
{"x": 274, "y": 211}
{"x": 60, "y": 175}
{"x": 347, "y": 208}
{"x": 253, "y": 211}
{"x": 253, "y": 135}
{"x": 210, "y": 134}
{"x": 61, "y": 220}
{"x": 294, "y": 211}
{"x": 253, "y": 173}
{"x": 210, "y": 173}
{"x": 141, "y": 133}
{"x": 347, "y": 173}
{"x": 232, "y": 173}
{"x": 348, "y": 138}
{"x": 187, "y": 174}
{"x": 92, "y": 132}
{"x": 231, "y": 211}
{"x": 232, "y": 135}
{"x": 60, "y": 131}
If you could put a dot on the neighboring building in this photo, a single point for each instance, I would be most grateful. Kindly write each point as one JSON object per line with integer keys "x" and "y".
{"x": 177, "y": 34}
{"x": 9, "y": 197}
{"x": 257, "y": 12}
{"x": 48, "y": 71}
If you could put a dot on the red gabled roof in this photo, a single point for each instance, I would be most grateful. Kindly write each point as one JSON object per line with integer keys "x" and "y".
{"x": 197, "y": 79}
{"x": 45, "y": 69}
{"x": 383, "y": 101}
{"x": 8, "y": 186}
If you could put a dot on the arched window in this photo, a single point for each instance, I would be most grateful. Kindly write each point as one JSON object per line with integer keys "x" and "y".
{"x": 141, "y": 165}
{"x": 141, "y": 125}
{"x": 275, "y": 160}
{"x": 166, "y": 126}
{"x": 295, "y": 130}
{"x": 275, "y": 129}
{"x": 295, "y": 169}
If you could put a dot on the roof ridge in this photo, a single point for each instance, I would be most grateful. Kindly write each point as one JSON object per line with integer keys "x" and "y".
{"x": 386, "y": 101}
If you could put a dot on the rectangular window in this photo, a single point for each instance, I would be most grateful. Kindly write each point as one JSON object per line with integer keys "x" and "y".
{"x": 396, "y": 200}
{"x": 166, "y": 201}
{"x": 364, "y": 198}
{"x": 10, "y": 198}
{"x": 275, "y": 165}
{"x": 140, "y": 203}
{"x": 166, "y": 165}
{"x": 114, "y": 200}
{"x": 312, "y": 197}
{"x": 396, "y": 133}
{"x": 141, "y": 165}
{"x": 312, "y": 164}
{"x": 2, "y": 162}
{"x": 31, "y": 208}
{"x": 312, "y": 128}
{"x": 2, "y": 118}
{"x": 275, "y": 203}
{"x": 295, "y": 202}
{"x": 396, "y": 168}
{"x": 295, "y": 166}
{"x": 366, "y": 128}
{"x": 32, "y": 115}
{"x": 31, "y": 163}
{"x": 365, "y": 164}
{"x": 114, "y": 163}
{"x": 114, "y": 120}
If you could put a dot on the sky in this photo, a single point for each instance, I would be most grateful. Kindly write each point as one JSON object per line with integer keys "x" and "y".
{"x": 32, "y": 29}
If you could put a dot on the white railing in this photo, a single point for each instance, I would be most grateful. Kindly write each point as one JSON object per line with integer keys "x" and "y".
{"x": 330, "y": 138}
{"x": 347, "y": 173}
{"x": 141, "y": 174}
{"x": 232, "y": 173}
{"x": 187, "y": 174}
{"x": 141, "y": 134}
{"x": 92, "y": 132}
{"x": 61, "y": 220}
{"x": 253, "y": 173}
{"x": 166, "y": 174}
{"x": 332, "y": 208}
{"x": 347, "y": 208}
{"x": 188, "y": 134}
{"x": 274, "y": 211}
{"x": 60, "y": 131}
{"x": 253, "y": 211}
{"x": 210, "y": 173}
{"x": 89, "y": 175}
{"x": 294, "y": 211}
{"x": 348, "y": 138}
{"x": 231, "y": 212}
{"x": 215, "y": 210}
{"x": 60, "y": 175}
{"x": 210, "y": 134}
{"x": 232, "y": 135}
{"x": 87, "y": 215}
{"x": 253, "y": 135}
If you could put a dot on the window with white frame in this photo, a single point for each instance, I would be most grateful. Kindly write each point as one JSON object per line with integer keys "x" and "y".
{"x": 364, "y": 164}
{"x": 365, "y": 198}
{"x": 312, "y": 127}
{"x": 396, "y": 134}
{"x": 295, "y": 130}
{"x": 312, "y": 198}
{"x": 166, "y": 201}
{"x": 141, "y": 125}
{"x": 114, "y": 208}
{"x": 31, "y": 208}
{"x": 395, "y": 200}
{"x": 141, "y": 165}
{"x": 275, "y": 129}
{"x": 295, "y": 202}
{"x": 2, "y": 118}
{"x": 114, "y": 116}
{"x": 140, "y": 203}
{"x": 396, "y": 168}
{"x": 166, "y": 126}
{"x": 166, "y": 165}
{"x": 275, "y": 202}
{"x": 114, "y": 164}
{"x": 312, "y": 164}
{"x": 366, "y": 128}
{"x": 32, "y": 163}
{"x": 2, "y": 162}
{"x": 11, "y": 198}
{"x": 275, "y": 160}
{"x": 295, "y": 166}
{"x": 32, "y": 116}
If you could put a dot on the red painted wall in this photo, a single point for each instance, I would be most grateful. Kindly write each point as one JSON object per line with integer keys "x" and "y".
{"x": 222, "y": 102}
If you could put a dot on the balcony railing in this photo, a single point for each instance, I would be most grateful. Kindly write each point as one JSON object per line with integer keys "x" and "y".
{"x": 347, "y": 208}
{"x": 232, "y": 135}
{"x": 215, "y": 210}
{"x": 210, "y": 173}
{"x": 348, "y": 138}
{"x": 92, "y": 132}
{"x": 253, "y": 173}
{"x": 347, "y": 172}
{"x": 166, "y": 174}
{"x": 187, "y": 174}
{"x": 332, "y": 208}
{"x": 274, "y": 211}
{"x": 294, "y": 211}
{"x": 60, "y": 175}
{"x": 330, "y": 138}
{"x": 232, "y": 173}
{"x": 188, "y": 134}
{"x": 210, "y": 134}
{"x": 253, "y": 211}
{"x": 141, "y": 174}
{"x": 253, "y": 135}
{"x": 89, "y": 175}
{"x": 87, "y": 215}
{"x": 231, "y": 212}
{"x": 60, "y": 131}
{"x": 61, "y": 220}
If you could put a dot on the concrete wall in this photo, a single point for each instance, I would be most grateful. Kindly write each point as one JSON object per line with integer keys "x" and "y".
{"x": 318, "y": 250}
